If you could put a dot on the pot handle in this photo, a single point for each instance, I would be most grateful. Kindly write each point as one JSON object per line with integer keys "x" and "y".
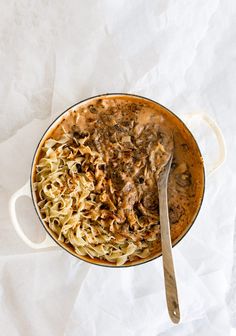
{"x": 219, "y": 136}
{"x": 25, "y": 191}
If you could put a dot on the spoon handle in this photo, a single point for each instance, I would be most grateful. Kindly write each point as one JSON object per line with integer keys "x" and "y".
{"x": 168, "y": 265}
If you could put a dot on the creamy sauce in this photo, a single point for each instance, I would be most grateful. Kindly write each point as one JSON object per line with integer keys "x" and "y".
{"x": 105, "y": 115}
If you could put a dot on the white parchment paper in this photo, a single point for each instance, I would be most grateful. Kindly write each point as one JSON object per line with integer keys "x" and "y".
{"x": 55, "y": 53}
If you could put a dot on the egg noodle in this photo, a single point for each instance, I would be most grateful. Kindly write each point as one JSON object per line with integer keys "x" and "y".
{"x": 79, "y": 200}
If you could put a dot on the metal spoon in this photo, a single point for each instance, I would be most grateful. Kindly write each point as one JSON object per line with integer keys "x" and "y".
{"x": 168, "y": 265}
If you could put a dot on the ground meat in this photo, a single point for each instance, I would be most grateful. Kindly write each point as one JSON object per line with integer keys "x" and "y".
{"x": 116, "y": 178}
{"x": 90, "y": 143}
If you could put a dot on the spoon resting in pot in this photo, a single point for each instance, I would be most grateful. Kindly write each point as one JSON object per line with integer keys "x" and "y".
{"x": 168, "y": 265}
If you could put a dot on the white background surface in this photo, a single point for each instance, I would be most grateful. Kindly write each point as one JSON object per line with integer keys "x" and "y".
{"x": 55, "y": 53}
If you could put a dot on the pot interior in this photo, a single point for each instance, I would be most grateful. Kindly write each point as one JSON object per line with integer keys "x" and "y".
{"x": 182, "y": 209}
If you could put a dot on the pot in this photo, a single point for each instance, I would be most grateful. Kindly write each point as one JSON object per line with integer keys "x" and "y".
{"x": 51, "y": 239}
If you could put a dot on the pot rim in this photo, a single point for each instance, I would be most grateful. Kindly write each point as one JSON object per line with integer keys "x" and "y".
{"x": 90, "y": 261}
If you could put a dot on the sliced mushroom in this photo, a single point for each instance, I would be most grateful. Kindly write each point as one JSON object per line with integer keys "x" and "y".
{"x": 175, "y": 213}
{"x": 184, "y": 179}
{"x": 151, "y": 201}
{"x": 92, "y": 109}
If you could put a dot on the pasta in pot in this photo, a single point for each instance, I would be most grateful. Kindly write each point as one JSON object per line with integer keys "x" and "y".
{"x": 96, "y": 185}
